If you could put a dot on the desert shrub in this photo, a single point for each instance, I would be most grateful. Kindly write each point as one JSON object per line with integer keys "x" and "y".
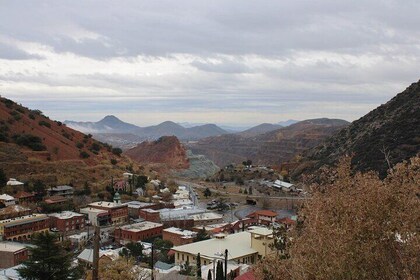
{"x": 84, "y": 154}
{"x": 44, "y": 123}
{"x": 20, "y": 110}
{"x": 95, "y": 147}
{"x": 31, "y": 141}
{"x": 79, "y": 145}
{"x": 9, "y": 103}
{"x": 117, "y": 151}
{"x": 114, "y": 161}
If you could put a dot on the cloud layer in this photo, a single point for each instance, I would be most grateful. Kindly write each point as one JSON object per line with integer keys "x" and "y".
{"x": 230, "y": 62}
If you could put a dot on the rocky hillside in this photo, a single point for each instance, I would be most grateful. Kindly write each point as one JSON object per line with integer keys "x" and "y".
{"x": 390, "y": 132}
{"x": 33, "y": 146}
{"x": 167, "y": 151}
{"x": 200, "y": 167}
{"x": 272, "y": 148}
{"x": 259, "y": 129}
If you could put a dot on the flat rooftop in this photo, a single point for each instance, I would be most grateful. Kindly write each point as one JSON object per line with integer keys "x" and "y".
{"x": 238, "y": 245}
{"x": 206, "y": 216}
{"x": 24, "y": 220}
{"x": 88, "y": 210}
{"x": 137, "y": 227}
{"x": 138, "y": 204}
{"x": 184, "y": 233}
{"x": 65, "y": 215}
{"x": 180, "y": 213}
{"x": 260, "y": 231}
{"x": 11, "y": 247}
{"x": 106, "y": 204}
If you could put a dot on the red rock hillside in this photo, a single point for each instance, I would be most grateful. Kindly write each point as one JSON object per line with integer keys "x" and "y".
{"x": 167, "y": 150}
{"x": 34, "y": 147}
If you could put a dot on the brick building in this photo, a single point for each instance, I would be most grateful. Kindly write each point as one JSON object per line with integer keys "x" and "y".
{"x": 149, "y": 215}
{"x": 178, "y": 236}
{"x": 22, "y": 228}
{"x": 67, "y": 221}
{"x": 12, "y": 254}
{"x": 134, "y": 207}
{"x": 118, "y": 212}
{"x": 138, "y": 232}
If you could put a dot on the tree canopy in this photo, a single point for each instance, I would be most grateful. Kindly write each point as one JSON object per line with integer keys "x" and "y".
{"x": 48, "y": 261}
{"x": 355, "y": 226}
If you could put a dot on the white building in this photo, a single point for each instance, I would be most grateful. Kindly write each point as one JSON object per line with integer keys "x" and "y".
{"x": 284, "y": 186}
{"x": 7, "y": 200}
{"x": 14, "y": 182}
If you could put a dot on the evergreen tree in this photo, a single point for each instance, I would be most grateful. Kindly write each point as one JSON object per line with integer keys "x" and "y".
{"x": 219, "y": 271}
{"x": 3, "y": 178}
{"x": 198, "y": 266}
{"x": 48, "y": 261}
{"x": 209, "y": 275}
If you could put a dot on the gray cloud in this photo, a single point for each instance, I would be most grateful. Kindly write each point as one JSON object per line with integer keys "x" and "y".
{"x": 278, "y": 58}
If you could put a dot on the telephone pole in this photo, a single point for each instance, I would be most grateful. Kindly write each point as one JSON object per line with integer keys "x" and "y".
{"x": 95, "y": 271}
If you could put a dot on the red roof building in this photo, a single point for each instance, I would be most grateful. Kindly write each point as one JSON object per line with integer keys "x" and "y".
{"x": 263, "y": 217}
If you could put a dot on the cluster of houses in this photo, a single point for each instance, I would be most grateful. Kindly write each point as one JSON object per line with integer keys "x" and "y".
{"x": 178, "y": 221}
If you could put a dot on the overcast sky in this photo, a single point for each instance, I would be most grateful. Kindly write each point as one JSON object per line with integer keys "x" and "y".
{"x": 226, "y": 62}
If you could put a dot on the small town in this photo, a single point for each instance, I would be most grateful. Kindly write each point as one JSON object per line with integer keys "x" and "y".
{"x": 186, "y": 234}
{"x": 209, "y": 140}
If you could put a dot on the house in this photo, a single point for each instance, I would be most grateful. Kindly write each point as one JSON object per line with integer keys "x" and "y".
{"x": 14, "y": 182}
{"x": 67, "y": 221}
{"x": 12, "y": 254}
{"x": 263, "y": 217}
{"x": 22, "y": 228}
{"x": 14, "y": 211}
{"x": 137, "y": 232}
{"x": 178, "y": 236}
{"x": 7, "y": 200}
{"x": 243, "y": 248}
{"x": 25, "y": 197}
{"x": 284, "y": 186}
{"x": 86, "y": 256}
{"x": 55, "y": 200}
{"x": 65, "y": 191}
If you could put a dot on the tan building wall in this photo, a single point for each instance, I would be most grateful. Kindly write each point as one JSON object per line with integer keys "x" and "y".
{"x": 182, "y": 257}
{"x": 261, "y": 244}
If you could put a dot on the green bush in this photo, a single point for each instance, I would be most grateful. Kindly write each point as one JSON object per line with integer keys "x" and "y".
{"x": 114, "y": 161}
{"x": 117, "y": 151}
{"x": 79, "y": 145}
{"x": 44, "y": 123}
{"x": 95, "y": 147}
{"x": 84, "y": 154}
{"x": 31, "y": 141}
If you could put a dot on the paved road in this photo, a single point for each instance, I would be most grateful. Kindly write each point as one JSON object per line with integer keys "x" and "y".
{"x": 199, "y": 186}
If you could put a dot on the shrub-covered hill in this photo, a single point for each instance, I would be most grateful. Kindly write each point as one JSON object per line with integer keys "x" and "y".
{"x": 33, "y": 146}
{"x": 391, "y": 133}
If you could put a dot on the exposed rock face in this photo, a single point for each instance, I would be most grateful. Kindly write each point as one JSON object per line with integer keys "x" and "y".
{"x": 200, "y": 167}
{"x": 272, "y": 148}
{"x": 166, "y": 150}
{"x": 392, "y": 129}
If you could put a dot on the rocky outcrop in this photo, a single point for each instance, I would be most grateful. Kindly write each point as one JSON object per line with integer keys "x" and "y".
{"x": 166, "y": 150}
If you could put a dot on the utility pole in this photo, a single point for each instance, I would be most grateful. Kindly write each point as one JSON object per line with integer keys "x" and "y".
{"x": 95, "y": 271}
{"x": 152, "y": 264}
{"x": 226, "y": 257}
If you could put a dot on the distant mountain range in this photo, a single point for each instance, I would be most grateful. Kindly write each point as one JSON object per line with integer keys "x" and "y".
{"x": 267, "y": 143}
{"x": 118, "y": 133}
{"x": 114, "y": 131}
{"x": 391, "y": 133}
